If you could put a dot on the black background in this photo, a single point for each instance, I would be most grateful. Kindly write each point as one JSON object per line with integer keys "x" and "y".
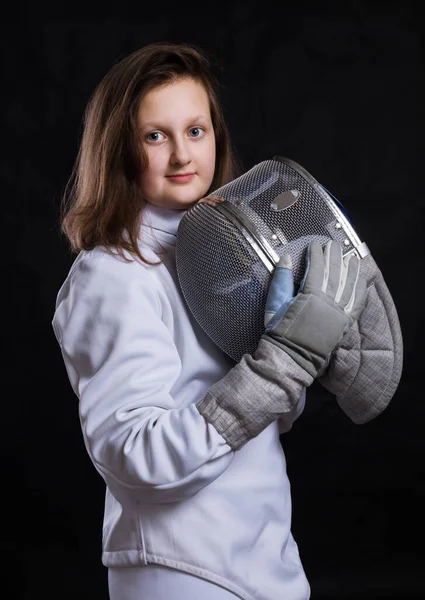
{"x": 339, "y": 90}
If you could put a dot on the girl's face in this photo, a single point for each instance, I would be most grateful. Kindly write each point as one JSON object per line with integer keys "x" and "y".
{"x": 177, "y": 134}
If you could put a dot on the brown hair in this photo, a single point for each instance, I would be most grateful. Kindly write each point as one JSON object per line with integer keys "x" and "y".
{"x": 102, "y": 202}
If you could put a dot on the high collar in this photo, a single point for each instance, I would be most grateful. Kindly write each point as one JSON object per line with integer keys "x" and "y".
{"x": 159, "y": 225}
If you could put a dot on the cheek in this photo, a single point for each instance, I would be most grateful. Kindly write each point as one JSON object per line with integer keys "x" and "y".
{"x": 148, "y": 178}
{"x": 152, "y": 171}
{"x": 209, "y": 158}
{"x": 154, "y": 164}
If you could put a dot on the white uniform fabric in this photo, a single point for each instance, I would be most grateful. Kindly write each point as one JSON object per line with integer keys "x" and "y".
{"x": 176, "y": 494}
{"x": 156, "y": 582}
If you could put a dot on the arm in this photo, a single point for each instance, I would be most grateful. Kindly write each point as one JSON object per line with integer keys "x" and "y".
{"x": 122, "y": 364}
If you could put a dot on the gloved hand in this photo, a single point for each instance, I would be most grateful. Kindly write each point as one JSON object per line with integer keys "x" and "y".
{"x": 301, "y": 333}
{"x": 310, "y": 325}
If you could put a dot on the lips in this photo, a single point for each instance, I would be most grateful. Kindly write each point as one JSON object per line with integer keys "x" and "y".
{"x": 181, "y": 175}
{"x": 182, "y": 178}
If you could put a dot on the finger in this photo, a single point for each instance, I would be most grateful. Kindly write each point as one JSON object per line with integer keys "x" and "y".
{"x": 315, "y": 269}
{"x": 358, "y": 298}
{"x": 333, "y": 268}
{"x": 212, "y": 200}
{"x": 352, "y": 268}
{"x": 281, "y": 288}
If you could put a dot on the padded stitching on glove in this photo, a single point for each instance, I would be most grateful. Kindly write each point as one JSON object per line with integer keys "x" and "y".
{"x": 377, "y": 400}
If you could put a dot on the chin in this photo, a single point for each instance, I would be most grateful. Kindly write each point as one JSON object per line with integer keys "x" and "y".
{"x": 174, "y": 203}
{"x": 184, "y": 202}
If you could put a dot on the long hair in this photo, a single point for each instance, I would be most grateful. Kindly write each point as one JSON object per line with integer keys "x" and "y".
{"x": 102, "y": 202}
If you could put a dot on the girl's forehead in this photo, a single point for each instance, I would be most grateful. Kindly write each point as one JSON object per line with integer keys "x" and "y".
{"x": 185, "y": 98}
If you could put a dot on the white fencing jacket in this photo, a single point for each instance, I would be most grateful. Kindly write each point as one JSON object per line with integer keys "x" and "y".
{"x": 176, "y": 493}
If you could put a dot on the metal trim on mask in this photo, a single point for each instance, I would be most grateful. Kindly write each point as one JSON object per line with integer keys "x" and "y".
{"x": 361, "y": 248}
{"x": 256, "y": 240}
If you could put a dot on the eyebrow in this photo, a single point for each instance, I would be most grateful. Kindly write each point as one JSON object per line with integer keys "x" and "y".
{"x": 156, "y": 123}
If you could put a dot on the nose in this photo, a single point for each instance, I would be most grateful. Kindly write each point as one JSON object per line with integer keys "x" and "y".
{"x": 180, "y": 154}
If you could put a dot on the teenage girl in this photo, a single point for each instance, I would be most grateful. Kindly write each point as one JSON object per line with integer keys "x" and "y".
{"x": 197, "y": 499}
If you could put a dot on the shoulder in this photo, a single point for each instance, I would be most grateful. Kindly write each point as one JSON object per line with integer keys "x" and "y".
{"x": 100, "y": 263}
{"x": 99, "y": 273}
{"x": 103, "y": 292}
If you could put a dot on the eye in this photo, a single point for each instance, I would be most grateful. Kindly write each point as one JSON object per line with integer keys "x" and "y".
{"x": 197, "y": 129}
{"x": 153, "y": 133}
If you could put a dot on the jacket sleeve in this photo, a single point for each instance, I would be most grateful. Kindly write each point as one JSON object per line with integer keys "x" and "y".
{"x": 122, "y": 363}
{"x": 285, "y": 422}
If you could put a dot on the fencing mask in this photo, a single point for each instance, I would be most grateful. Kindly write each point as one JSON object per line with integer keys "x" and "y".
{"x": 226, "y": 251}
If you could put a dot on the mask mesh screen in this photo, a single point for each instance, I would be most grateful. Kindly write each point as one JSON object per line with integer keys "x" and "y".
{"x": 222, "y": 278}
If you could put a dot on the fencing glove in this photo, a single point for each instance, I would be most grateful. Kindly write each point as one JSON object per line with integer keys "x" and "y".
{"x": 300, "y": 335}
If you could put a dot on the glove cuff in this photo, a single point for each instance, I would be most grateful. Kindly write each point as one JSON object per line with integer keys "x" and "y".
{"x": 258, "y": 390}
{"x": 310, "y": 330}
